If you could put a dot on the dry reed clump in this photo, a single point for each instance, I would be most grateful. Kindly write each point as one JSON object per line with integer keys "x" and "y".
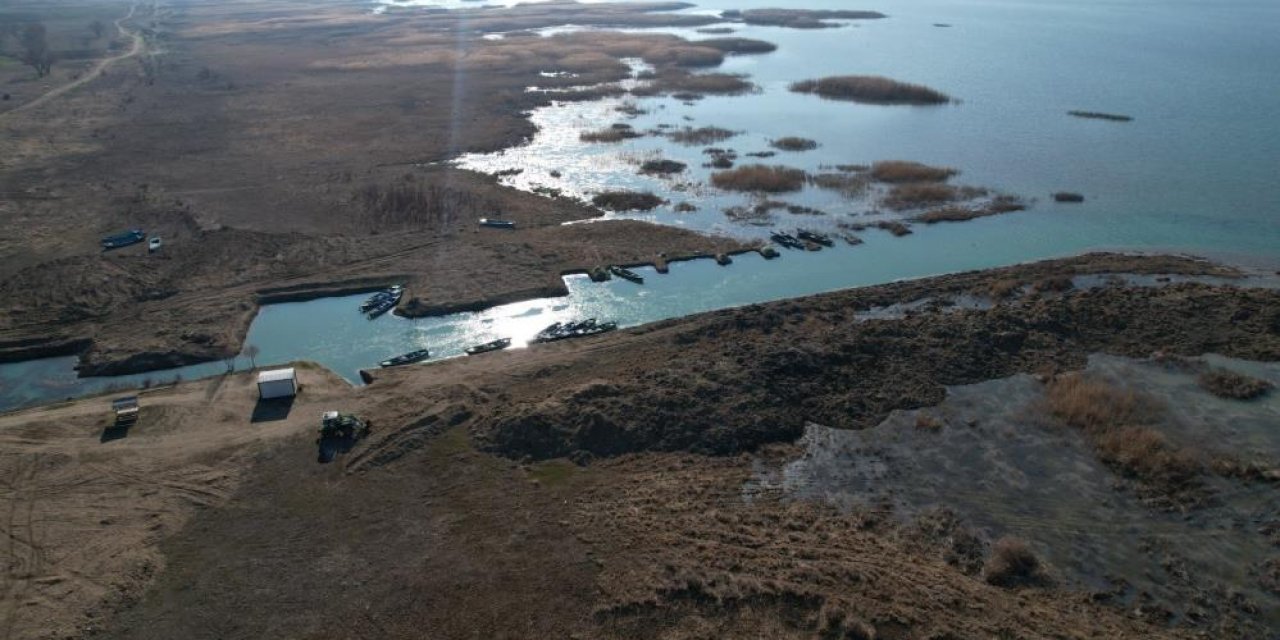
{"x": 703, "y": 135}
{"x": 1012, "y": 563}
{"x": 928, "y": 422}
{"x": 703, "y": 83}
{"x": 800, "y": 18}
{"x": 737, "y": 46}
{"x": 1113, "y": 422}
{"x": 1098, "y": 115}
{"x": 794, "y": 143}
{"x": 894, "y": 227}
{"x": 871, "y": 90}
{"x": 1001, "y": 289}
{"x": 849, "y": 185}
{"x": 1233, "y": 386}
{"x": 416, "y": 204}
{"x": 661, "y": 167}
{"x": 952, "y": 213}
{"x": 626, "y": 201}
{"x": 900, "y": 171}
{"x": 759, "y": 177}
{"x": 920, "y": 195}
{"x": 609, "y": 134}
{"x": 684, "y": 56}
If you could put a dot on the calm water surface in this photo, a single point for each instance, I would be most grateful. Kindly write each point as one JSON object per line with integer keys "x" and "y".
{"x": 1194, "y": 172}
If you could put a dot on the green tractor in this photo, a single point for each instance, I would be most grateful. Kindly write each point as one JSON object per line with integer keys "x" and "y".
{"x": 339, "y": 432}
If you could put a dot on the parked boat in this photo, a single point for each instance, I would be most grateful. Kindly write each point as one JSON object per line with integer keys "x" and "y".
{"x": 408, "y": 358}
{"x": 497, "y": 224}
{"x": 787, "y": 240}
{"x": 626, "y": 274}
{"x": 132, "y": 236}
{"x": 385, "y": 304}
{"x": 496, "y": 345}
{"x": 380, "y": 297}
{"x": 814, "y": 236}
{"x": 588, "y": 327}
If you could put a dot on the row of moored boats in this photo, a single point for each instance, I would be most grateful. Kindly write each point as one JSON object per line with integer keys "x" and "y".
{"x": 801, "y": 238}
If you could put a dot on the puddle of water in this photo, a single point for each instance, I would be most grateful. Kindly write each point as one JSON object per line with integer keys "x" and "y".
{"x": 1008, "y": 471}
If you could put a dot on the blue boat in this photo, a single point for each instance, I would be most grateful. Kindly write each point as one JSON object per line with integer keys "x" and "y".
{"x": 132, "y": 236}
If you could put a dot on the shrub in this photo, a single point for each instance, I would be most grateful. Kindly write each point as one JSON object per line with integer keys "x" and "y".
{"x": 759, "y": 177}
{"x": 1232, "y": 385}
{"x": 871, "y": 90}
{"x": 898, "y": 171}
{"x": 626, "y": 201}
{"x": 1012, "y": 563}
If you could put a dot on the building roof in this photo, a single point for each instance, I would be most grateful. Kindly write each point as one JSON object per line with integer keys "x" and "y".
{"x": 276, "y": 375}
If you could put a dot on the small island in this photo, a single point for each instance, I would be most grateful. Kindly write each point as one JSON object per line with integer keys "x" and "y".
{"x": 1098, "y": 115}
{"x": 871, "y": 90}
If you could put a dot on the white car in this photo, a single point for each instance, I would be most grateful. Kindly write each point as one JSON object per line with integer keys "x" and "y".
{"x": 153, "y": 244}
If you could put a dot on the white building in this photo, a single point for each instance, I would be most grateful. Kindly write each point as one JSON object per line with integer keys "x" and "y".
{"x": 280, "y": 383}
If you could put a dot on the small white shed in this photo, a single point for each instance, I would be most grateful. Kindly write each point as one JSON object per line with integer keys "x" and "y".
{"x": 280, "y": 383}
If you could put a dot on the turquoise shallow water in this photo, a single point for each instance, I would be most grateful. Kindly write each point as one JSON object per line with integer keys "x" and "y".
{"x": 1194, "y": 172}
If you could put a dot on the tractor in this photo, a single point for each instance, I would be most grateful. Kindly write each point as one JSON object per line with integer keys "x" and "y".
{"x": 339, "y": 432}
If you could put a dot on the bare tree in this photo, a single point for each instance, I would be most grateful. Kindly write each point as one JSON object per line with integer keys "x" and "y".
{"x": 97, "y": 27}
{"x": 35, "y": 49}
{"x": 252, "y": 351}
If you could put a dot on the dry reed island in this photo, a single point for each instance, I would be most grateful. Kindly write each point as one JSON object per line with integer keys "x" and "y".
{"x": 618, "y": 486}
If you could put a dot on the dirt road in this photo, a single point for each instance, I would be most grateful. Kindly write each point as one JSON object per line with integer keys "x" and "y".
{"x": 139, "y": 45}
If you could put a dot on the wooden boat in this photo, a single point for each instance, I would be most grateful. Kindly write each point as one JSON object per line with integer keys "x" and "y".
{"x": 496, "y": 345}
{"x": 626, "y": 274}
{"x": 814, "y": 236}
{"x": 385, "y": 304}
{"x": 497, "y": 224}
{"x": 407, "y": 358}
{"x": 379, "y": 297}
{"x": 588, "y": 327}
{"x": 787, "y": 240}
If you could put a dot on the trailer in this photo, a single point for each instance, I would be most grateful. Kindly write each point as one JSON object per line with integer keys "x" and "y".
{"x": 280, "y": 383}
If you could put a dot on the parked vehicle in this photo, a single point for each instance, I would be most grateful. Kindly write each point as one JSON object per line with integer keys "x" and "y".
{"x": 132, "y": 236}
{"x": 497, "y": 224}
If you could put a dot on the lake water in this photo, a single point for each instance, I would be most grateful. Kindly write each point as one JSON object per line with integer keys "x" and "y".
{"x": 1194, "y": 172}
